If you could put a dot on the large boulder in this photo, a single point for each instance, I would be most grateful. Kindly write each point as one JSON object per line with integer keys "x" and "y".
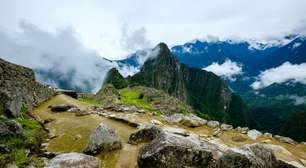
{"x": 250, "y": 156}
{"x": 103, "y": 138}
{"x": 189, "y": 120}
{"x": 62, "y": 107}
{"x": 144, "y": 133}
{"x": 254, "y": 134}
{"x": 213, "y": 124}
{"x": 19, "y": 91}
{"x": 75, "y": 160}
{"x": 10, "y": 127}
{"x": 173, "y": 150}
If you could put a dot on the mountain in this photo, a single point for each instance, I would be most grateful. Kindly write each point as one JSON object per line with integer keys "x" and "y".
{"x": 294, "y": 52}
{"x": 203, "y": 90}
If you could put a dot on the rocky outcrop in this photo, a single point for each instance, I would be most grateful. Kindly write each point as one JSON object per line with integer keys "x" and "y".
{"x": 145, "y": 133}
{"x": 62, "y": 107}
{"x": 173, "y": 150}
{"x": 103, "y": 138}
{"x": 173, "y": 147}
{"x": 18, "y": 89}
{"x": 189, "y": 120}
{"x": 250, "y": 156}
{"x": 75, "y": 160}
{"x": 10, "y": 127}
{"x": 107, "y": 95}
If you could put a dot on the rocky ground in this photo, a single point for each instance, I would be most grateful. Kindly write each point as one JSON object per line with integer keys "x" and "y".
{"x": 136, "y": 137}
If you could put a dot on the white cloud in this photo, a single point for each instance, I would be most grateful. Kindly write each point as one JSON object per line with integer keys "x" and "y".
{"x": 298, "y": 100}
{"x": 133, "y": 40}
{"x": 228, "y": 70}
{"x": 283, "y": 73}
{"x": 99, "y": 22}
{"x": 56, "y": 57}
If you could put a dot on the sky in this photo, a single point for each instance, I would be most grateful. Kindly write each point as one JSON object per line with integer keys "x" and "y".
{"x": 116, "y": 28}
{"x": 67, "y": 40}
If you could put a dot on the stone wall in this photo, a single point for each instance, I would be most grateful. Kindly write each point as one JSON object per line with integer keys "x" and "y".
{"x": 18, "y": 89}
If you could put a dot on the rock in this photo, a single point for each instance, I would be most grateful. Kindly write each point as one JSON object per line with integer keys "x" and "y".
{"x": 174, "y": 130}
{"x": 4, "y": 149}
{"x": 62, "y": 107}
{"x": 216, "y": 132}
{"x": 81, "y": 113}
{"x": 277, "y": 149}
{"x": 250, "y": 156}
{"x": 156, "y": 122}
{"x": 254, "y": 134}
{"x": 144, "y": 134}
{"x": 243, "y": 130}
{"x": 77, "y": 137}
{"x": 226, "y": 127}
{"x": 75, "y": 160}
{"x": 268, "y": 135}
{"x": 287, "y": 140}
{"x": 189, "y": 120}
{"x": 172, "y": 151}
{"x": 213, "y": 124}
{"x": 19, "y": 90}
{"x": 103, "y": 138}
{"x": 10, "y": 127}
{"x": 124, "y": 119}
{"x": 107, "y": 95}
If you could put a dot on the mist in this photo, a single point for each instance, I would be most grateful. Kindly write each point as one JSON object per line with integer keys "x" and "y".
{"x": 58, "y": 58}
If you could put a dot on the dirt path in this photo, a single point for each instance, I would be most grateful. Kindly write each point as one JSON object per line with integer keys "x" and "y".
{"x": 73, "y": 133}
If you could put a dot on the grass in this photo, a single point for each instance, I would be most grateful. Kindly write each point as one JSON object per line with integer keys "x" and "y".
{"x": 31, "y": 139}
{"x": 133, "y": 97}
{"x": 89, "y": 100}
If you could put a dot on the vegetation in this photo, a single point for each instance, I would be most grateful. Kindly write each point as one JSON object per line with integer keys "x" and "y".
{"x": 116, "y": 79}
{"x": 23, "y": 149}
{"x": 133, "y": 97}
{"x": 89, "y": 100}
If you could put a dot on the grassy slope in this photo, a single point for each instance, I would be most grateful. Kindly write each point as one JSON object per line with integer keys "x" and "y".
{"x": 133, "y": 97}
{"x": 32, "y": 138}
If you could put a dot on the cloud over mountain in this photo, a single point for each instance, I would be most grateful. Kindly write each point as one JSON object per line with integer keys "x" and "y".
{"x": 283, "y": 73}
{"x": 58, "y": 59}
{"x": 227, "y": 70}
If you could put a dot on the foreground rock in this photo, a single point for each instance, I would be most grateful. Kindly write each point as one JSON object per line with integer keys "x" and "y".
{"x": 10, "y": 127}
{"x": 189, "y": 120}
{"x": 173, "y": 149}
{"x": 18, "y": 89}
{"x": 251, "y": 156}
{"x": 75, "y": 160}
{"x": 170, "y": 147}
{"x": 62, "y": 107}
{"x": 145, "y": 133}
{"x": 103, "y": 138}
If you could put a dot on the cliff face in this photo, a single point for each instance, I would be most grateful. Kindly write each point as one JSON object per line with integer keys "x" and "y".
{"x": 18, "y": 89}
{"x": 203, "y": 90}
